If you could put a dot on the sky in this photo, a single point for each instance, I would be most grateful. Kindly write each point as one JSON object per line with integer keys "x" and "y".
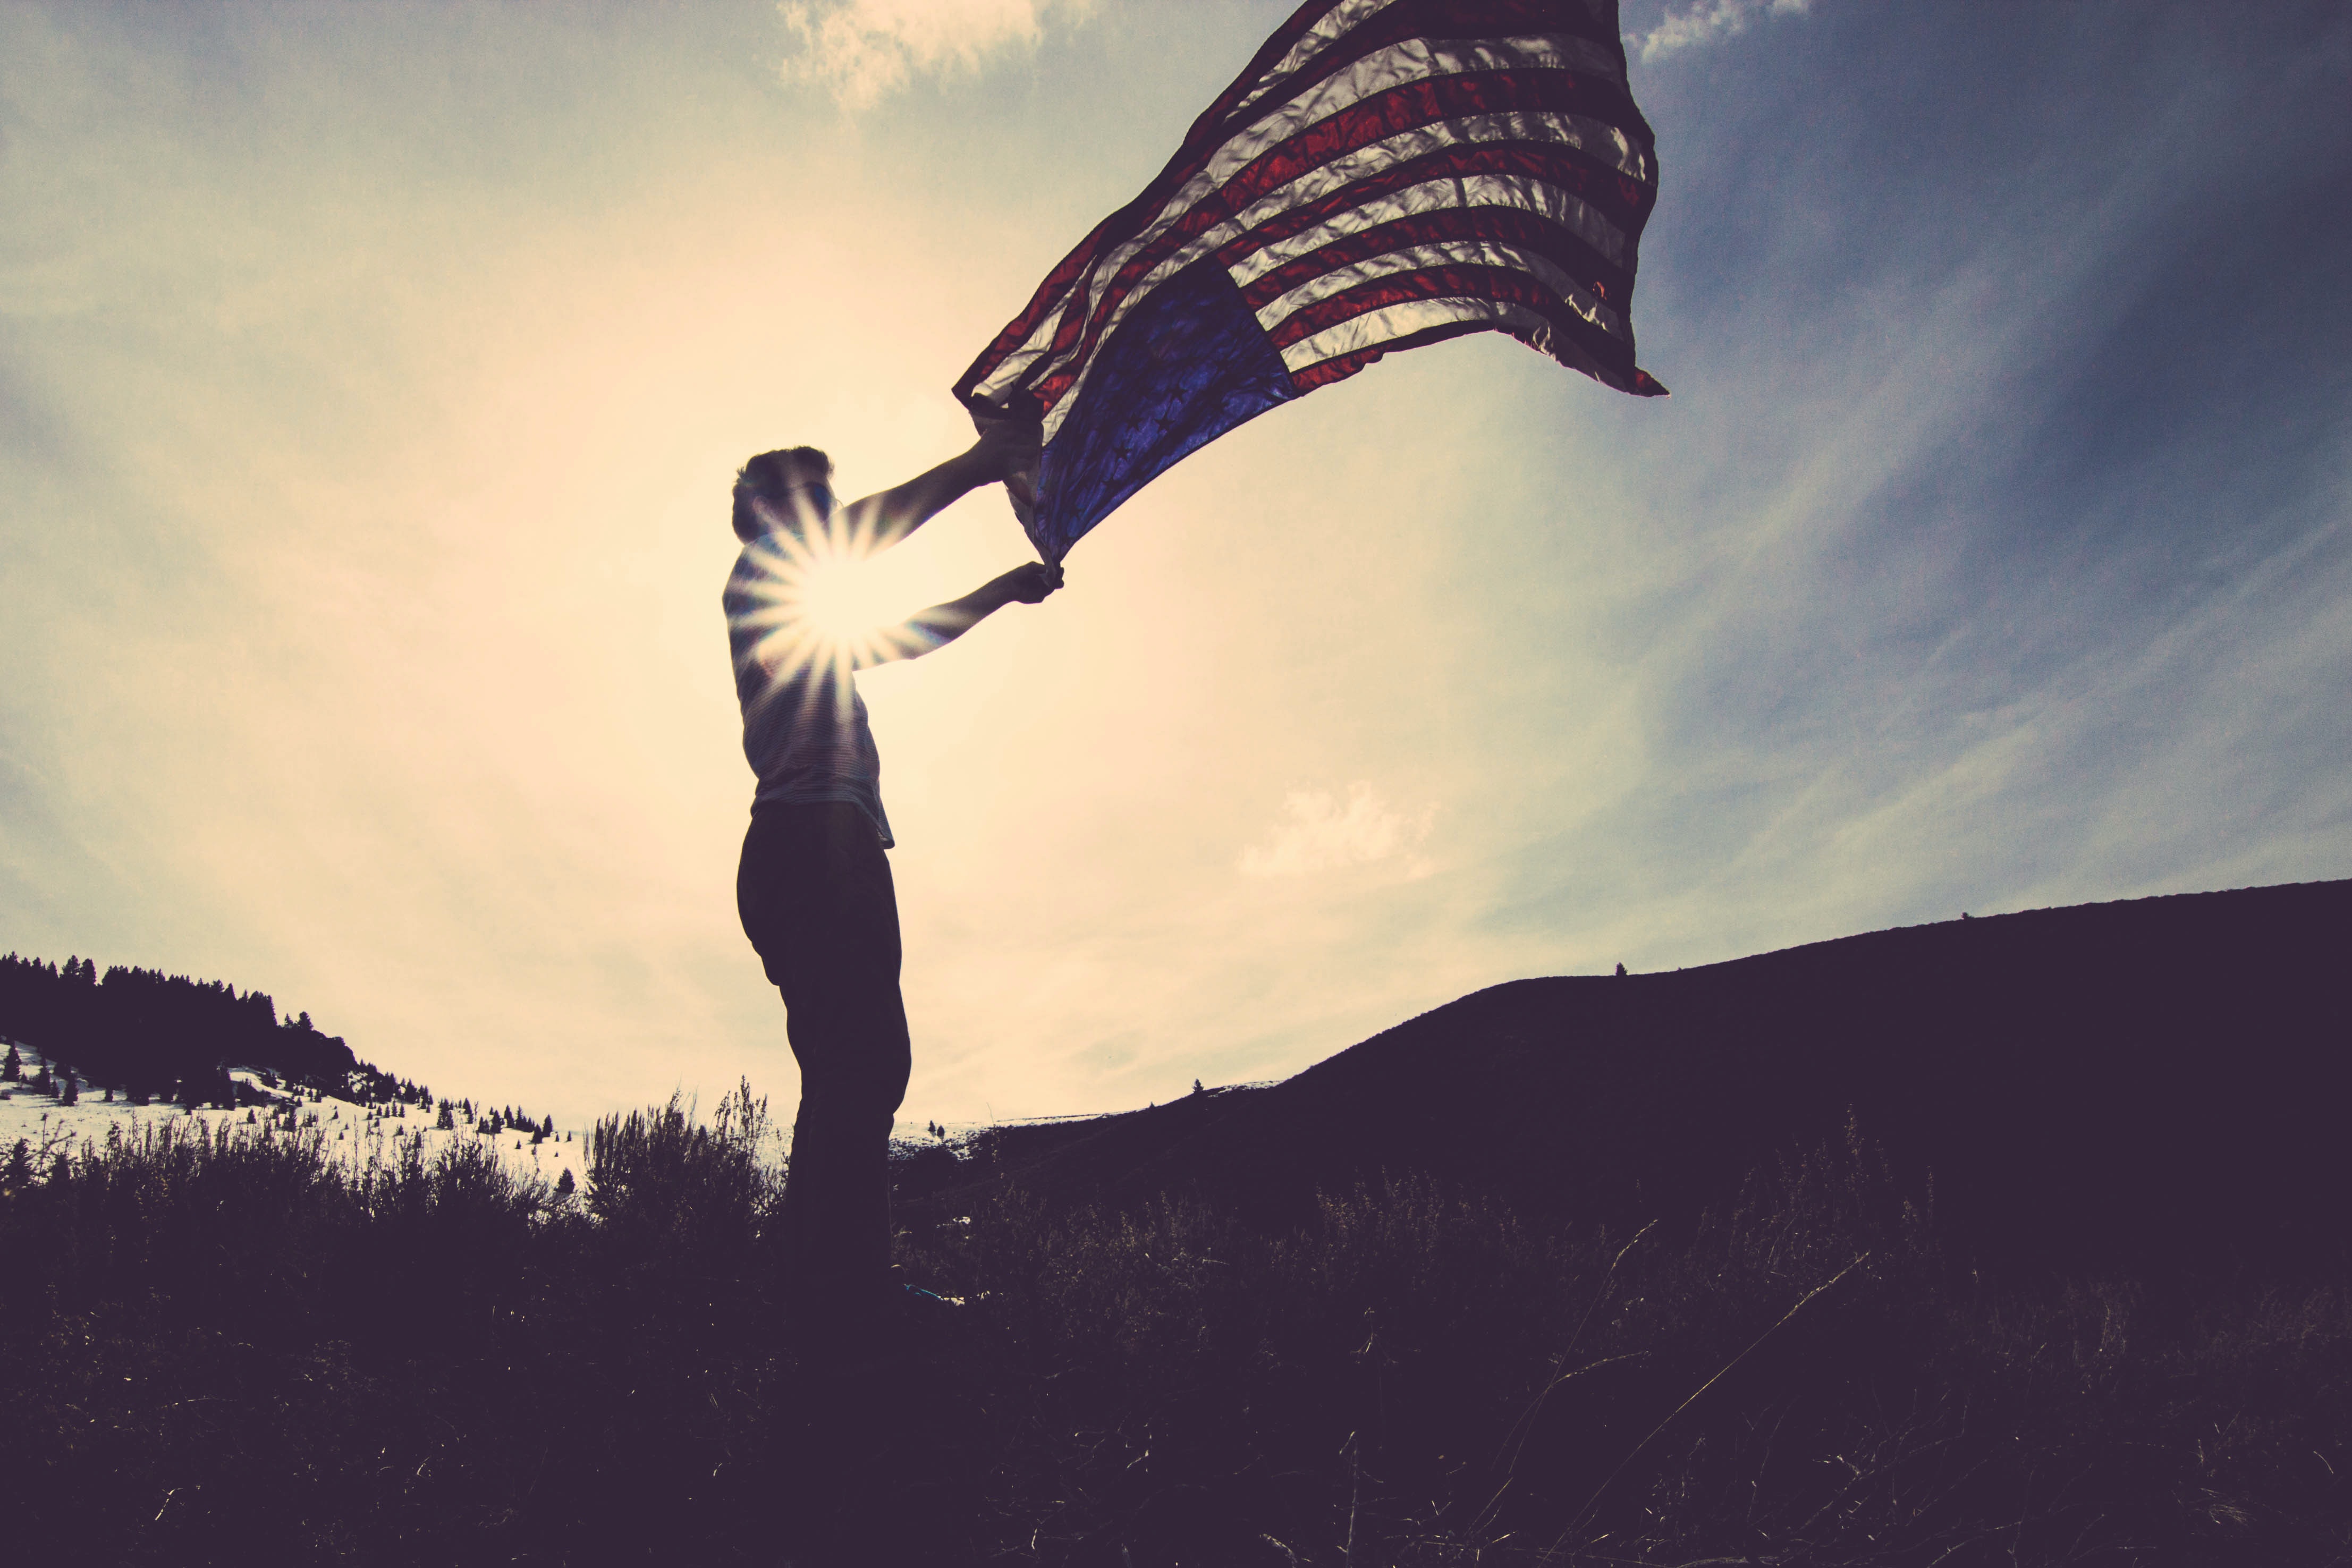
{"x": 371, "y": 377}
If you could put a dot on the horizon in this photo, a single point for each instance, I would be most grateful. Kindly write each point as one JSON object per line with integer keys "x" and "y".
{"x": 373, "y": 383}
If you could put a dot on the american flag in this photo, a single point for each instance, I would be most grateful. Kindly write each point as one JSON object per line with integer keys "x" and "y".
{"x": 1384, "y": 173}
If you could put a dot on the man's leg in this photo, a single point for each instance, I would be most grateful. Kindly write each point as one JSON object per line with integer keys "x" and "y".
{"x": 817, "y": 901}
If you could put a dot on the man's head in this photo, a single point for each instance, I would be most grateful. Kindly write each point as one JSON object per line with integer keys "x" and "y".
{"x": 772, "y": 478}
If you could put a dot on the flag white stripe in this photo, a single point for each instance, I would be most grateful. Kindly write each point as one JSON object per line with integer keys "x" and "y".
{"x": 1515, "y": 191}
{"x": 1386, "y": 325}
{"x": 1339, "y": 19}
{"x": 1450, "y": 252}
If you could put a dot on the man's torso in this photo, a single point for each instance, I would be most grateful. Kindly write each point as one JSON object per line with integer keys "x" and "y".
{"x": 805, "y": 732}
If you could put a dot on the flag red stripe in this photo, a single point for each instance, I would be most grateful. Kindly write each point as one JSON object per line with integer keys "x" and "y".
{"x": 1325, "y": 371}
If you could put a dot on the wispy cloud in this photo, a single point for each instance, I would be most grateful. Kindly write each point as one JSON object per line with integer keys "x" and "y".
{"x": 1706, "y": 22}
{"x": 862, "y": 50}
{"x": 1320, "y": 831}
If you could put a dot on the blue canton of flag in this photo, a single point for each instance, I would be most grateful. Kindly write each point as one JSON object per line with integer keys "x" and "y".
{"x": 1385, "y": 173}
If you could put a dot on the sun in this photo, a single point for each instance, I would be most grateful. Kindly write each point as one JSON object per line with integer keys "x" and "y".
{"x": 845, "y": 600}
{"x": 820, "y": 601}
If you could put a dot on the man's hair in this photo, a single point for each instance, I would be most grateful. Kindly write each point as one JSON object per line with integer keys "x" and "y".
{"x": 770, "y": 477}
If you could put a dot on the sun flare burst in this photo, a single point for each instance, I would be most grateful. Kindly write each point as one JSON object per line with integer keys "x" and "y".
{"x": 819, "y": 600}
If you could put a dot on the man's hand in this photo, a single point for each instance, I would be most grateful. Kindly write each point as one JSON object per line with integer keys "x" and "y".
{"x": 944, "y": 623}
{"x": 1029, "y": 583}
{"x": 1008, "y": 447}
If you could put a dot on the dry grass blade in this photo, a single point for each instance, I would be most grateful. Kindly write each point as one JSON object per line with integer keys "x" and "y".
{"x": 1515, "y": 1441}
{"x": 1585, "y": 1512}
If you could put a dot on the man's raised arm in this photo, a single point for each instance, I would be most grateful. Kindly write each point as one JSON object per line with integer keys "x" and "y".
{"x": 941, "y": 624}
{"x": 881, "y": 521}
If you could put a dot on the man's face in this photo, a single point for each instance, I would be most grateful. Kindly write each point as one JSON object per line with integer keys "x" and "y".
{"x": 807, "y": 495}
{"x": 802, "y": 504}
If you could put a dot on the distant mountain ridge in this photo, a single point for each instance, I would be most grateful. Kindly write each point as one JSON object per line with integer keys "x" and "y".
{"x": 2157, "y": 1084}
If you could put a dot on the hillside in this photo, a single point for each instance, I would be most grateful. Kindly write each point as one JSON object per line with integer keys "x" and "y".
{"x": 218, "y": 1346}
{"x": 2157, "y": 1084}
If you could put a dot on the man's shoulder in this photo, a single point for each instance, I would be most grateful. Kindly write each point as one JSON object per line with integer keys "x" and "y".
{"x": 758, "y": 561}
{"x": 769, "y": 555}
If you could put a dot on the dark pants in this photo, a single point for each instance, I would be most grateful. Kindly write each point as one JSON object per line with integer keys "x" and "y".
{"x": 816, "y": 899}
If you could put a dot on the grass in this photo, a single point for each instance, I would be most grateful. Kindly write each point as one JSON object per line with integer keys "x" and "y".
{"x": 218, "y": 1347}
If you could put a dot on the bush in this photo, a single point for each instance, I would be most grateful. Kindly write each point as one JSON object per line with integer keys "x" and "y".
{"x": 216, "y": 1344}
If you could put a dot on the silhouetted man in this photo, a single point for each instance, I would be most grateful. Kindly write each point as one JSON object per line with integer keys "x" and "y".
{"x": 813, "y": 888}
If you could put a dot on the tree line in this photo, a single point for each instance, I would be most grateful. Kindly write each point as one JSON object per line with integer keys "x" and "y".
{"x": 145, "y": 1034}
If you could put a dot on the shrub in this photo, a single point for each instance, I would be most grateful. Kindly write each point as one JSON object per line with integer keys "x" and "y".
{"x": 215, "y": 1342}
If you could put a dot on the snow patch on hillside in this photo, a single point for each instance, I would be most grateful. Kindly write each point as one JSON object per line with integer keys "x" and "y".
{"x": 352, "y": 1132}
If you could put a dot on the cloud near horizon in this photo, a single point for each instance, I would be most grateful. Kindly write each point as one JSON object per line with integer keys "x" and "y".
{"x": 1706, "y": 22}
{"x": 863, "y": 51}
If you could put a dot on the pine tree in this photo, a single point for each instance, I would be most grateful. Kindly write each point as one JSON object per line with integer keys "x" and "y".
{"x": 447, "y": 1123}
{"x": 13, "y": 1069}
{"x": 69, "y": 1088}
{"x": 564, "y": 1185}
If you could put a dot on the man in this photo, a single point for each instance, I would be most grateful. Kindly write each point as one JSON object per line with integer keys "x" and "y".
{"x": 813, "y": 887}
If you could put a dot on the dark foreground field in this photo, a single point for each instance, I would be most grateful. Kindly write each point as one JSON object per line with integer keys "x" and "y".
{"x": 1573, "y": 1271}
{"x": 220, "y": 1350}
